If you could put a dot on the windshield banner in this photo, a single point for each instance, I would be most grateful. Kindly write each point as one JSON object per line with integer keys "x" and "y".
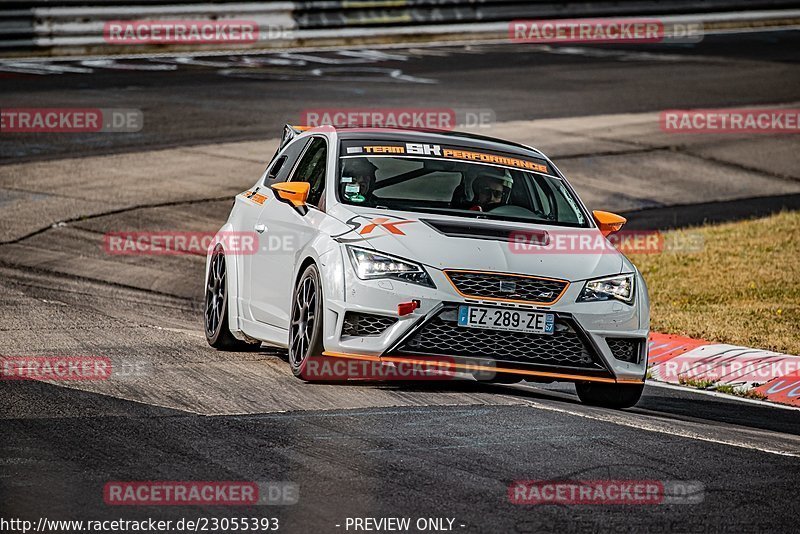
{"x": 445, "y": 152}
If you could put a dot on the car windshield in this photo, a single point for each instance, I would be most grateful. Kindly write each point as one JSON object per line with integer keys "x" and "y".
{"x": 459, "y": 188}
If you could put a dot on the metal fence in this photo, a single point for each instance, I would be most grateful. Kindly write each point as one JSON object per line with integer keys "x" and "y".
{"x": 77, "y": 26}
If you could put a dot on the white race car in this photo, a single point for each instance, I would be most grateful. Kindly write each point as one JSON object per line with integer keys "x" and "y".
{"x": 407, "y": 246}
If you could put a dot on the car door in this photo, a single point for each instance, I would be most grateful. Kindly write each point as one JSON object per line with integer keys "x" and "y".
{"x": 278, "y": 170}
{"x": 285, "y": 232}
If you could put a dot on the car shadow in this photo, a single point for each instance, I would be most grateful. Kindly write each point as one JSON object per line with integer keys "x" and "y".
{"x": 678, "y": 404}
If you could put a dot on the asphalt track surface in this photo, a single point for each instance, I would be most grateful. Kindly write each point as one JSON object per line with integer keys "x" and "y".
{"x": 178, "y": 410}
{"x": 244, "y": 97}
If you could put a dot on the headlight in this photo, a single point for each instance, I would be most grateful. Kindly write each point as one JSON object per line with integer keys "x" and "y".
{"x": 612, "y": 287}
{"x": 370, "y": 265}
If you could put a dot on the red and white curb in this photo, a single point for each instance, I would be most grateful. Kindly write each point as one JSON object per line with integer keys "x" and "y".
{"x": 676, "y": 360}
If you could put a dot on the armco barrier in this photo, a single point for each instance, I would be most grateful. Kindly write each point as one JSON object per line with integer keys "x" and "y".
{"x": 55, "y": 27}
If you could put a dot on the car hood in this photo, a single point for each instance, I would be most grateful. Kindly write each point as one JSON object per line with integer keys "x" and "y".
{"x": 447, "y": 242}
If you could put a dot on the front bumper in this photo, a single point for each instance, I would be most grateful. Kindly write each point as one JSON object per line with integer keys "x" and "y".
{"x": 584, "y": 347}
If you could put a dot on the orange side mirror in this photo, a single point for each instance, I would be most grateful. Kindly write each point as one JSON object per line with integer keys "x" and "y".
{"x": 294, "y": 192}
{"x": 608, "y": 222}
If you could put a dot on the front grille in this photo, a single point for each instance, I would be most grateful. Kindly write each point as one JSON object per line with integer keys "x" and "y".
{"x": 625, "y": 349}
{"x": 442, "y": 336}
{"x": 365, "y": 324}
{"x": 498, "y": 286}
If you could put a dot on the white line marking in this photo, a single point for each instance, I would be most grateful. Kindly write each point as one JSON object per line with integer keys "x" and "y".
{"x": 662, "y": 427}
{"x": 726, "y": 396}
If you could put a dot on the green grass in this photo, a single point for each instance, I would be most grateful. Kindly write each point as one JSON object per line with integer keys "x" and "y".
{"x": 695, "y": 383}
{"x": 742, "y": 287}
{"x": 713, "y": 385}
{"x": 732, "y": 390}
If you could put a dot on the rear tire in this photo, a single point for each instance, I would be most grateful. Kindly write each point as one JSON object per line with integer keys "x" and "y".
{"x": 305, "y": 327}
{"x": 215, "y": 316}
{"x": 609, "y": 395}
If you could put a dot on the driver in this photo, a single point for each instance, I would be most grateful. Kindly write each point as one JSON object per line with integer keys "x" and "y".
{"x": 358, "y": 179}
{"x": 491, "y": 189}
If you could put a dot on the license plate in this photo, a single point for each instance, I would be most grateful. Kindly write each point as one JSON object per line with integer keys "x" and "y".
{"x": 506, "y": 319}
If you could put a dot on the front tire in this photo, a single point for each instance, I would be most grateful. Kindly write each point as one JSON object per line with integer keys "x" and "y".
{"x": 609, "y": 395}
{"x": 218, "y": 334}
{"x": 305, "y": 328}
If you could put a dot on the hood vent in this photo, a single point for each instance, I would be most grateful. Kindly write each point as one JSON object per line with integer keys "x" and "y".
{"x": 483, "y": 230}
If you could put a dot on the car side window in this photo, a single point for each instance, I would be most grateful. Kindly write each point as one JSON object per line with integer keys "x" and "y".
{"x": 279, "y": 170}
{"x": 312, "y": 168}
{"x": 275, "y": 169}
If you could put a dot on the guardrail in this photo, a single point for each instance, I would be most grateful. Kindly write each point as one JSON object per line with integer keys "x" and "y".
{"x": 58, "y": 27}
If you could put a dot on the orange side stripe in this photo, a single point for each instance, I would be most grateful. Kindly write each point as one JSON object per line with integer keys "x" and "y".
{"x": 471, "y": 367}
{"x": 629, "y": 381}
{"x": 366, "y": 357}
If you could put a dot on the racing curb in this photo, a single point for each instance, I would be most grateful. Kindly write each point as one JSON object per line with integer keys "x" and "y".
{"x": 743, "y": 371}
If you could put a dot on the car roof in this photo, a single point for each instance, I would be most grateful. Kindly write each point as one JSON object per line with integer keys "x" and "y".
{"x": 467, "y": 140}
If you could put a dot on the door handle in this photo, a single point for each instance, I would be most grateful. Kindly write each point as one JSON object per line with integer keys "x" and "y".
{"x": 261, "y": 228}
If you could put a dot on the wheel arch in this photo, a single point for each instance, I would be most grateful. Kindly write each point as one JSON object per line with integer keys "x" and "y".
{"x": 233, "y": 269}
{"x": 309, "y": 260}
{"x": 327, "y": 256}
